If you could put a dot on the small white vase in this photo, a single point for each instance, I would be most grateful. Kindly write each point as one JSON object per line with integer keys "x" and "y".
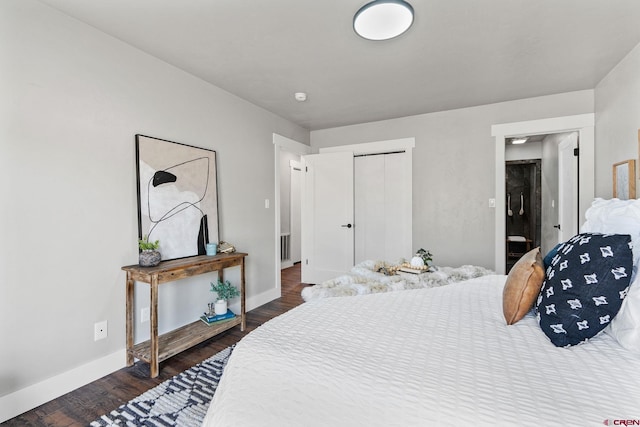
{"x": 221, "y": 307}
{"x": 417, "y": 261}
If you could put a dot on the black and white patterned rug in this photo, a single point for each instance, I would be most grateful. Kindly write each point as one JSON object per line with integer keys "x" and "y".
{"x": 180, "y": 401}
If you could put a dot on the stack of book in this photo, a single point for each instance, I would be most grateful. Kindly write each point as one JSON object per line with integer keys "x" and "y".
{"x": 210, "y": 320}
{"x": 408, "y": 268}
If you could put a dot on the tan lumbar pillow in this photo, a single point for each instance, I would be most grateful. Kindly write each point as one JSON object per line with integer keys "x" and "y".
{"x": 523, "y": 286}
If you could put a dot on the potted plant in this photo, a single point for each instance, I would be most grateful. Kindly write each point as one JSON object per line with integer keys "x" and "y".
{"x": 426, "y": 256}
{"x": 225, "y": 291}
{"x": 149, "y": 254}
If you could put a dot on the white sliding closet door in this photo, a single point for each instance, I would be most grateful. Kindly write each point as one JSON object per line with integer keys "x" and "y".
{"x": 382, "y": 190}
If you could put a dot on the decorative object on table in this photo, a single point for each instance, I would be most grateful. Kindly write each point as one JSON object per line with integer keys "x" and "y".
{"x": 386, "y": 268}
{"x": 225, "y": 291}
{"x": 210, "y": 317}
{"x": 420, "y": 263}
{"x": 624, "y": 180}
{"x": 180, "y": 401}
{"x": 149, "y": 254}
{"x": 177, "y": 196}
{"x": 226, "y": 248}
{"x": 212, "y": 249}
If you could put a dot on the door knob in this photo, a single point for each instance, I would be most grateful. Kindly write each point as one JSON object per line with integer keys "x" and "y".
{"x": 557, "y": 226}
{"x": 346, "y": 225}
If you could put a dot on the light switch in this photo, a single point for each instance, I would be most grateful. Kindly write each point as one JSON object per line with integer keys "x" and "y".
{"x": 266, "y": 203}
{"x": 492, "y": 203}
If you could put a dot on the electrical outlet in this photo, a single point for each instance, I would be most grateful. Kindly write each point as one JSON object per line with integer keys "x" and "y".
{"x": 145, "y": 315}
{"x": 100, "y": 330}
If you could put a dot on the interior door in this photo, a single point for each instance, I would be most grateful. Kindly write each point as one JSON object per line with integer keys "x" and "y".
{"x": 327, "y": 216}
{"x": 567, "y": 188}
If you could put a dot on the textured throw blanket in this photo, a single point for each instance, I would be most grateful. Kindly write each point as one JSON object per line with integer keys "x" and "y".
{"x": 364, "y": 279}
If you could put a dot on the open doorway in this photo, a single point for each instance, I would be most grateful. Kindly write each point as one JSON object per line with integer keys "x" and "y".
{"x": 583, "y": 125}
{"x": 290, "y": 192}
{"x": 283, "y": 147}
{"x": 541, "y": 192}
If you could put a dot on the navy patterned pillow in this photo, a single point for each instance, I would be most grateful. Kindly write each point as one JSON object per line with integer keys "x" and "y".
{"x": 584, "y": 287}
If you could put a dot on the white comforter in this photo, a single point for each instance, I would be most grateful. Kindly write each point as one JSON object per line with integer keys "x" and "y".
{"x": 428, "y": 357}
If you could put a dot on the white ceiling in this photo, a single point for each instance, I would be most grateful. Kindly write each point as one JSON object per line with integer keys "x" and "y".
{"x": 459, "y": 53}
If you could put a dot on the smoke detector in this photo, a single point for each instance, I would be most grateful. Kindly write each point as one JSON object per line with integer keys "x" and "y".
{"x": 300, "y": 96}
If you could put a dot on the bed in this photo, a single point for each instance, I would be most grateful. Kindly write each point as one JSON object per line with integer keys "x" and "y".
{"x": 434, "y": 357}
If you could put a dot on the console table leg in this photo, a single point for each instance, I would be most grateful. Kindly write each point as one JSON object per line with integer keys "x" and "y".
{"x": 129, "y": 309}
{"x": 154, "y": 366}
{"x": 243, "y": 310}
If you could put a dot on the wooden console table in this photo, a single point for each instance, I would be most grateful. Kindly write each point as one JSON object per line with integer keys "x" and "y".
{"x": 159, "y": 348}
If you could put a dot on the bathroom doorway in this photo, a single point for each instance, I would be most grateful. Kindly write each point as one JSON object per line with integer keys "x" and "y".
{"x": 583, "y": 124}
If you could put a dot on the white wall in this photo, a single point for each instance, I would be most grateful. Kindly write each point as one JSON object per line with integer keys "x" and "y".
{"x": 527, "y": 151}
{"x": 72, "y": 101}
{"x": 454, "y": 169}
{"x": 617, "y": 107}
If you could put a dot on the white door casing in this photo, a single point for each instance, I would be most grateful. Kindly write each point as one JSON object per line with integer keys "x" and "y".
{"x": 567, "y": 188}
{"x": 327, "y": 216}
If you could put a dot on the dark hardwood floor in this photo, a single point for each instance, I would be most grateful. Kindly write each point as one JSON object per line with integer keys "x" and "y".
{"x": 81, "y": 406}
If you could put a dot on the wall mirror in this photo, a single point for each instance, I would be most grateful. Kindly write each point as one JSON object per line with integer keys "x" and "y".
{"x": 624, "y": 180}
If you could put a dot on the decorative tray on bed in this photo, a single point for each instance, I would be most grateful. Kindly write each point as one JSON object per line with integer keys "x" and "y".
{"x": 408, "y": 268}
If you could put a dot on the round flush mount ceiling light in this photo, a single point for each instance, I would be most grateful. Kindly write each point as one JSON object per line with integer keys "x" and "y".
{"x": 383, "y": 19}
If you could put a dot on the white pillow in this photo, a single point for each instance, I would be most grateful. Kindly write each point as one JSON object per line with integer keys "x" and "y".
{"x": 625, "y": 327}
{"x": 616, "y": 216}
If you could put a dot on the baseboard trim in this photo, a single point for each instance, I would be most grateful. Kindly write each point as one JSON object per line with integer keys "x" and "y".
{"x": 263, "y": 298}
{"x": 286, "y": 264}
{"x": 23, "y": 400}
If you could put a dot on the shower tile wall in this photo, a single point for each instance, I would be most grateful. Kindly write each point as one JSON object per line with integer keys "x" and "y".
{"x": 523, "y": 203}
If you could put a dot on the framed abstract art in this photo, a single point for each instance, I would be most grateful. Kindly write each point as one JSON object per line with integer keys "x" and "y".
{"x": 177, "y": 196}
